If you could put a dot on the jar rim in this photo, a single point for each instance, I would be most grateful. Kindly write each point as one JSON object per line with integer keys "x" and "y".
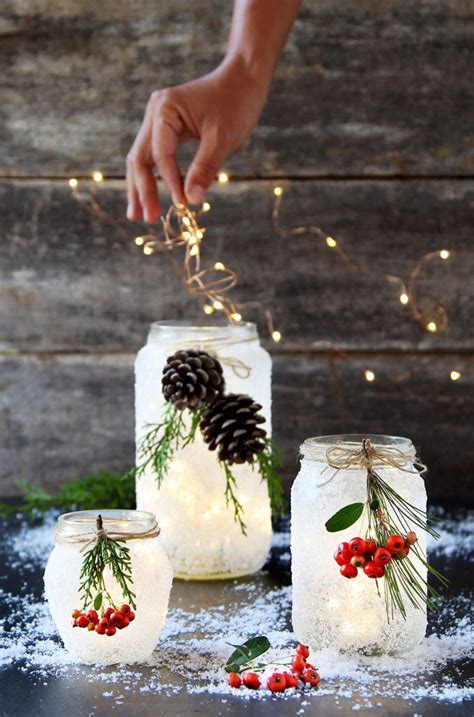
{"x": 201, "y": 330}
{"x": 114, "y": 520}
{"x": 377, "y": 440}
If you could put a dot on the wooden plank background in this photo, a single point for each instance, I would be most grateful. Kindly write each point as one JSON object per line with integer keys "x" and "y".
{"x": 368, "y": 128}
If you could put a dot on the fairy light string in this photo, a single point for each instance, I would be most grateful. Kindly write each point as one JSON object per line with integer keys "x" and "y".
{"x": 211, "y": 285}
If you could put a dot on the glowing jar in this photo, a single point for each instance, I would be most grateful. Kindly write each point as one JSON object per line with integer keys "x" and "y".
{"x": 199, "y": 532}
{"x": 152, "y": 576}
{"x": 330, "y": 611}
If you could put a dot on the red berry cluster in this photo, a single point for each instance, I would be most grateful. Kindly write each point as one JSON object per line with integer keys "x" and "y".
{"x": 108, "y": 623}
{"x": 302, "y": 673}
{"x": 369, "y": 556}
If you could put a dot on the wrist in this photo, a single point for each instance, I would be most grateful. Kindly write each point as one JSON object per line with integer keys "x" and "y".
{"x": 249, "y": 67}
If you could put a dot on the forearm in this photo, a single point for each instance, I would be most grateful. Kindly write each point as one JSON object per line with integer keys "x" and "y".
{"x": 258, "y": 34}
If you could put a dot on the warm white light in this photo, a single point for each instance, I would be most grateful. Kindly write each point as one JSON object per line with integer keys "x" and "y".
{"x": 223, "y": 178}
{"x": 218, "y": 305}
{"x": 278, "y": 191}
{"x": 206, "y": 207}
{"x": 199, "y": 234}
{"x": 444, "y": 254}
{"x": 455, "y": 375}
{"x": 331, "y": 242}
{"x": 186, "y": 235}
{"x": 276, "y": 336}
{"x": 236, "y": 317}
{"x": 369, "y": 375}
{"x": 194, "y": 251}
{"x": 148, "y": 250}
{"x": 97, "y": 176}
{"x": 432, "y": 327}
{"x": 73, "y": 182}
{"x": 404, "y": 298}
{"x": 186, "y": 221}
{"x": 219, "y": 266}
{"x": 139, "y": 241}
{"x": 208, "y": 309}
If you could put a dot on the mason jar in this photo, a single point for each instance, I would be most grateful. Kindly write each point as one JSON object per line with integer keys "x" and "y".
{"x": 199, "y": 532}
{"x": 152, "y": 577}
{"x": 328, "y": 609}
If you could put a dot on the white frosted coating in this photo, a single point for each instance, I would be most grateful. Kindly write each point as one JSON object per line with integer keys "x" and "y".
{"x": 330, "y": 611}
{"x": 198, "y": 528}
{"x": 152, "y": 579}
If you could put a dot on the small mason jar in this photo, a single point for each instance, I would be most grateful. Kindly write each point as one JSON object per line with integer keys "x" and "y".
{"x": 152, "y": 577}
{"x": 328, "y": 609}
{"x": 199, "y": 532}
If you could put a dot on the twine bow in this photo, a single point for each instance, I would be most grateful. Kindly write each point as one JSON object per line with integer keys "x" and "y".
{"x": 368, "y": 456}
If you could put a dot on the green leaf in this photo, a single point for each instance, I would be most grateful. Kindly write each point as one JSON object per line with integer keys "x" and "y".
{"x": 249, "y": 650}
{"x": 98, "y": 601}
{"x": 344, "y": 517}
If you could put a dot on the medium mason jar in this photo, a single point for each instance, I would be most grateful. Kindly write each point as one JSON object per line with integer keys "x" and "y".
{"x": 152, "y": 577}
{"x": 328, "y": 609}
{"x": 199, "y": 532}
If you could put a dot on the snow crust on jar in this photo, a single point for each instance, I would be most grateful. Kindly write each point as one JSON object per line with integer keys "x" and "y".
{"x": 198, "y": 528}
{"x": 330, "y": 611}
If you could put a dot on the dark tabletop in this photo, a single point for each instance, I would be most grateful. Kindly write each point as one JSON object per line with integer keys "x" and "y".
{"x": 159, "y": 689}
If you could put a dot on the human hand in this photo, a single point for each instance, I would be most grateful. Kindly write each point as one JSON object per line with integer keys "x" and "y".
{"x": 219, "y": 109}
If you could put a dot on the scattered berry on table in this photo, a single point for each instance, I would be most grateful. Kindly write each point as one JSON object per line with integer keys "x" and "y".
{"x": 311, "y": 677}
{"x": 276, "y": 682}
{"x": 302, "y": 650}
{"x": 290, "y": 680}
{"x": 234, "y": 679}
{"x": 251, "y": 680}
{"x": 298, "y": 663}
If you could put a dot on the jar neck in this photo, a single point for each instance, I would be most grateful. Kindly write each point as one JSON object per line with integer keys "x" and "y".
{"x": 201, "y": 334}
{"x": 83, "y": 522}
{"x": 319, "y": 448}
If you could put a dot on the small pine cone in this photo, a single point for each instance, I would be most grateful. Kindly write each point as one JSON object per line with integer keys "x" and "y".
{"x": 192, "y": 378}
{"x": 232, "y": 425}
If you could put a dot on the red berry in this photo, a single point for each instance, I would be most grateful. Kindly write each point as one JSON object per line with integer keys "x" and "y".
{"x": 311, "y": 677}
{"x": 100, "y": 629}
{"x": 82, "y": 621}
{"x": 374, "y": 570}
{"x": 76, "y": 613}
{"x": 411, "y": 538}
{"x": 349, "y": 571}
{"x": 116, "y": 619}
{"x": 251, "y": 680}
{"x": 92, "y": 615}
{"x": 358, "y": 561}
{"x": 109, "y": 631}
{"x": 402, "y": 554}
{"x": 298, "y": 663}
{"x": 338, "y": 557}
{"x": 290, "y": 680}
{"x": 125, "y": 608}
{"x": 357, "y": 545}
{"x": 395, "y": 543}
{"x": 91, "y": 626}
{"x": 234, "y": 679}
{"x": 125, "y": 622}
{"x": 382, "y": 556}
{"x": 108, "y": 612}
{"x": 370, "y": 546}
{"x": 104, "y": 621}
{"x": 302, "y": 650}
{"x": 131, "y": 616}
{"x": 277, "y": 682}
{"x": 344, "y": 551}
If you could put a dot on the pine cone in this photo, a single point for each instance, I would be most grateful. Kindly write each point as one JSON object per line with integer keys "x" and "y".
{"x": 191, "y": 378}
{"x": 231, "y": 424}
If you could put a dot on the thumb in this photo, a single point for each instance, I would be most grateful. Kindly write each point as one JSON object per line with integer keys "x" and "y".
{"x": 203, "y": 170}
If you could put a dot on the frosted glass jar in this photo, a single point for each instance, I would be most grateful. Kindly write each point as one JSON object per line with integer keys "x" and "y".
{"x": 152, "y": 578}
{"x": 328, "y": 609}
{"x": 199, "y": 532}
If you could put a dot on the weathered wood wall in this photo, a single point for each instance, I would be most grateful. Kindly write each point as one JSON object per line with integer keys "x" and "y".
{"x": 368, "y": 125}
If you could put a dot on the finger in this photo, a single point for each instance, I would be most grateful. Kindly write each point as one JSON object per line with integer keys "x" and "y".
{"x": 134, "y": 209}
{"x": 145, "y": 185}
{"x": 165, "y": 141}
{"x": 203, "y": 169}
{"x": 141, "y": 185}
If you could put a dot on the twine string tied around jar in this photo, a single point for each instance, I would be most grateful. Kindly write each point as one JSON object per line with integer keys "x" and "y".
{"x": 100, "y": 533}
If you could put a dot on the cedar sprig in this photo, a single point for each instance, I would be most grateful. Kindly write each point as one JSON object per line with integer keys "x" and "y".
{"x": 231, "y": 496}
{"x": 111, "y": 553}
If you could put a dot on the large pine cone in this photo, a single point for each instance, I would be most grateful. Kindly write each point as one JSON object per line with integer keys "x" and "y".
{"x": 192, "y": 378}
{"x": 231, "y": 424}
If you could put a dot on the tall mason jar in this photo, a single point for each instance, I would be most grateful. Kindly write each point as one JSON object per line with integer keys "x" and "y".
{"x": 152, "y": 576}
{"x": 198, "y": 529}
{"x": 329, "y": 610}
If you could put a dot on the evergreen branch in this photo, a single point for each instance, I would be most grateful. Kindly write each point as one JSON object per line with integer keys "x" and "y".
{"x": 269, "y": 461}
{"x": 231, "y": 497}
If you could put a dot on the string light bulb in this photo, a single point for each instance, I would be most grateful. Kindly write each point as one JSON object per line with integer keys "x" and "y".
{"x": 148, "y": 250}
{"x": 194, "y": 251}
{"x": 97, "y": 176}
{"x": 444, "y": 254}
{"x": 455, "y": 375}
{"x": 278, "y": 191}
{"x": 139, "y": 241}
{"x": 332, "y": 243}
{"x": 219, "y": 266}
{"x": 369, "y": 375}
{"x": 236, "y": 317}
{"x": 223, "y": 178}
{"x": 206, "y": 207}
{"x": 404, "y": 298}
{"x": 276, "y": 336}
{"x": 208, "y": 309}
{"x": 432, "y": 327}
{"x": 218, "y": 305}
{"x": 73, "y": 182}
